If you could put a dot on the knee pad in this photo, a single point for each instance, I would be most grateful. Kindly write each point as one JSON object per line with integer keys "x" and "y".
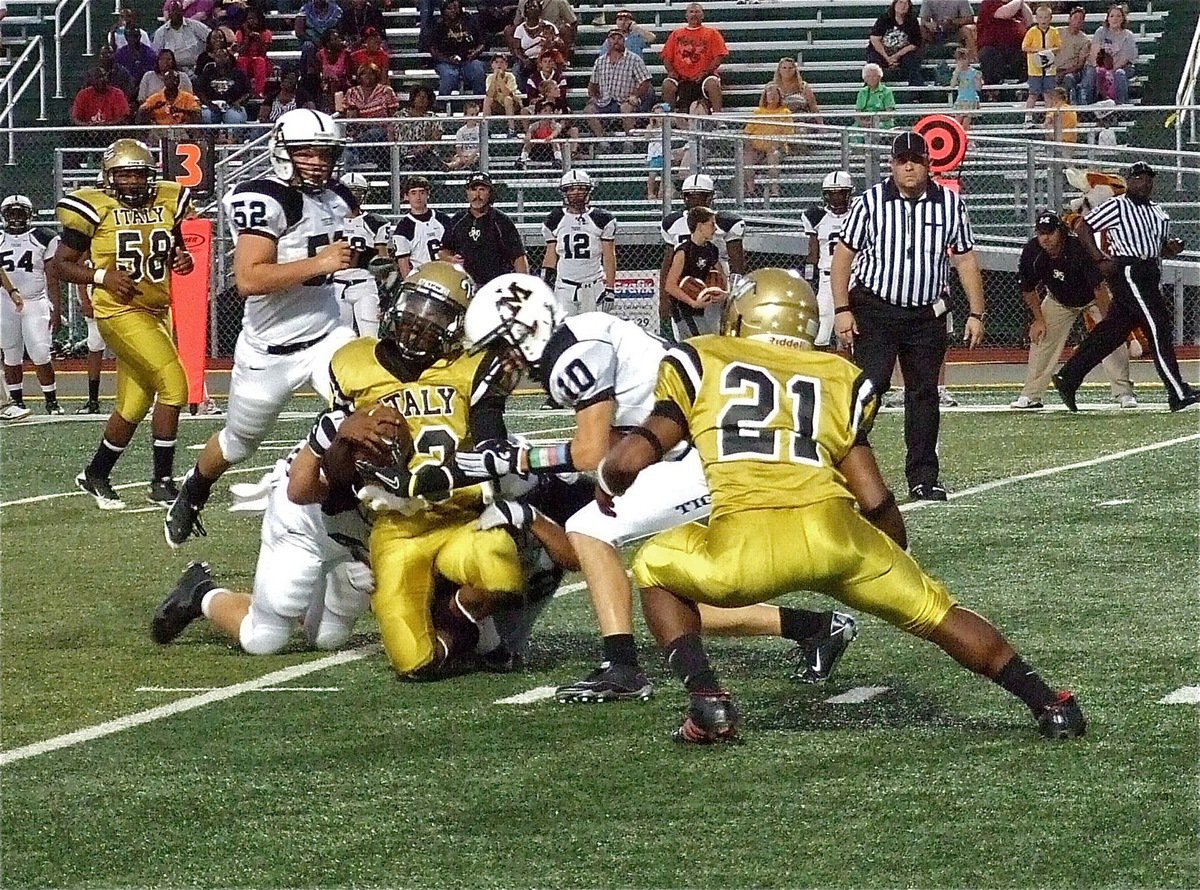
{"x": 261, "y": 635}
{"x": 95, "y": 343}
{"x": 14, "y": 357}
{"x": 173, "y": 385}
{"x": 236, "y": 448}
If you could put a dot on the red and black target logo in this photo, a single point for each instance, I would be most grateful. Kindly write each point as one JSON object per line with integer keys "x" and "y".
{"x": 947, "y": 141}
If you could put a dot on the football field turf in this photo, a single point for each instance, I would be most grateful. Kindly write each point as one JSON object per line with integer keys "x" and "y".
{"x": 203, "y": 767}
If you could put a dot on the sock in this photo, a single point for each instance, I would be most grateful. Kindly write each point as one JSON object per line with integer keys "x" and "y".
{"x": 104, "y": 459}
{"x": 800, "y": 624}
{"x": 1024, "y": 682}
{"x": 619, "y": 649}
{"x": 164, "y": 458}
{"x": 16, "y": 394}
{"x": 687, "y": 659}
{"x": 50, "y": 394}
{"x": 206, "y": 601}
{"x": 94, "y": 390}
{"x": 197, "y": 487}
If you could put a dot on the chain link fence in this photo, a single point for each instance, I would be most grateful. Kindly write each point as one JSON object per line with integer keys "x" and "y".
{"x": 1011, "y": 170}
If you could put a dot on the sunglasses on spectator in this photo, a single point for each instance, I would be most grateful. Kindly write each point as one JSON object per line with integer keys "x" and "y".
{"x": 909, "y": 157}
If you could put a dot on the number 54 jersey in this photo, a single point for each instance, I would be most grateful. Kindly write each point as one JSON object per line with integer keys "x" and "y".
{"x": 300, "y": 223}
{"x": 771, "y": 422}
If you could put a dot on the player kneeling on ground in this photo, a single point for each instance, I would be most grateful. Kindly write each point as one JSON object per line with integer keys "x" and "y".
{"x": 784, "y": 486}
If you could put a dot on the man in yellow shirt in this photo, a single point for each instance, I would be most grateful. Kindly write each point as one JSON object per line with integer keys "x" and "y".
{"x": 170, "y": 106}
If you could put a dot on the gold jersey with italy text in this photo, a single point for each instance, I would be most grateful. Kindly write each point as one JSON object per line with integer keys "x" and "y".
{"x": 139, "y": 240}
{"x": 771, "y": 422}
{"x": 436, "y": 407}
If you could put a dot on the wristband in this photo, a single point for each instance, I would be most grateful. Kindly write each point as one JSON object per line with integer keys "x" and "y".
{"x": 602, "y": 482}
{"x": 840, "y": 309}
{"x": 98, "y": 277}
{"x": 554, "y": 458}
{"x": 976, "y": 315}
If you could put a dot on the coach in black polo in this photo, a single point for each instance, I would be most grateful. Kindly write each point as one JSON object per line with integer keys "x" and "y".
{"x": 483, "y": 239}
{"x": 1137, "y": 239}
{"x": 889, "y": 281}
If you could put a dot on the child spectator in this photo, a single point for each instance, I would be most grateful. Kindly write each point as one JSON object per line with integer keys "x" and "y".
{"x": 548, "y": 71}
{"x": 501, "y": 90}
{"x": 466, "y": 140}
{"x": 1105, "y": 79}
{"x": 1062, "y": 121}
{"x": 654, "y": 151}
{"x": 966, "y": 79}
{"x": 875, "y": 98}
{"x": 541, "y": 137}
{"x": 1041, "y": 42}
{"x": 767, "y": 131}
{"x": 335, "y": 63}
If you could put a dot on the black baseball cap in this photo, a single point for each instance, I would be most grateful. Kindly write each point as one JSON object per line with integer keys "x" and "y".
{"x": 910, "y": 143}
{"x": 1139, "y": 168}
{"x": 480, "y": 178}
{"x": 1048, "y": 222}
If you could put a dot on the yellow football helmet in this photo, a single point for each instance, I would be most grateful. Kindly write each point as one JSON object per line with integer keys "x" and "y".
{"x": 128, "y": 155}
{"x": 425, "y": 321}
{"x": 772, "y": 303}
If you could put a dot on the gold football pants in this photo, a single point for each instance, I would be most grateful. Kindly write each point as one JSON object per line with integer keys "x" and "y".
{"x": 147, "y": 362}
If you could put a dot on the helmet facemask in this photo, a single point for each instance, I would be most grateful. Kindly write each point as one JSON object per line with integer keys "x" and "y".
{"x": 422, "y": 327}
{"x": 837, "y": 200}
{"x": 17, "y": 217}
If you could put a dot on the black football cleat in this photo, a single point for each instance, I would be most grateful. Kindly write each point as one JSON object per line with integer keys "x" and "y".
{"x": 1066, "y": 392}
{"x": 162, "y": 492}
{"x": 712, "y": 718}
{"x": 609, "y": 682}
{"x": 101, "y": 489}
{"x": 1191, "y": 398}
{"x": 932, "y": 491}
{"x": 183, "y": 521}
{"x": 88, "y": 408}
{"x": 182, "y": 605}
{"x": 1063, "y": 719}
{"x": 820, "y": 652}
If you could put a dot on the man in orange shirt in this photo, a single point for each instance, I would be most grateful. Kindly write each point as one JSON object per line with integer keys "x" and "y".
{"x": 692, "y": 56}
{"x": 170, "y": 106}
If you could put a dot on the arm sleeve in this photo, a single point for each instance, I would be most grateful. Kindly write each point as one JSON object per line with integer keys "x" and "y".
{"x": 1025, "y": 267}
{"x": 485, "y": 417}
{"x": 79, "y": 220}
{"x": 1104, "y": 217}
{"x": 679, "y": 378}
{"x": 964, "y": 239}
{"x": 856, "y": 232}
{"x": 584, "y": 375}
{"x": 259, "y": 211}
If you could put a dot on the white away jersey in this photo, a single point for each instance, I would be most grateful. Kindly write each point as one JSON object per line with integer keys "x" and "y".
{"x": 24, "y": 258}
{"x": 300, "y": 223}
{"x": 577, "y": 238}
{"x": 730, "y": 227}
{"x": 419, "y": 237}
{"x": 365, "y": 233}
{"x": 827, "y": 226}
{"x": 596, "y": 356}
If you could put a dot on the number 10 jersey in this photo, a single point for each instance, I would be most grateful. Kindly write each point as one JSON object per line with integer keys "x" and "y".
{"x": 300, "y": 223}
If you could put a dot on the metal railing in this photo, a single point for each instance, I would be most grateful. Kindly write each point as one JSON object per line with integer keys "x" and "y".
{"x": 60, "y": 32}
{"x": 13, "y": 92}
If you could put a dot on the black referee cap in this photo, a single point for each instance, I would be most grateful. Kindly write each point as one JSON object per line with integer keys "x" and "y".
{"x": 1139, "y": 168}
{"x": 1048, "y": 222}
{"x": 909, "y": 143}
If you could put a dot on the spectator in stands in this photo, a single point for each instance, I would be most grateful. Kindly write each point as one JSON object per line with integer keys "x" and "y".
{"x": 875, "y": 101}
{"x": 1073, "y": 55}
{"x": 370, "y": 98}
{"x": 117, "y": 75}
{"x": 895, "y": 43}
{"x": 223, "y": 90}
{"x": 193, "y": 9}
{"x": 797, "y": 94}
{"x": 560, "y": 14}
{"x": 1040, "y": 44}
{"x": 1061, "y": 121}
{"x": 253, "y": 41}
{"x": 285, "y": 99}
{"x": 126, "y": 18}
{"x": 637, "y": 37}
{"x": 315, "y": 18}
{"x": 418, "y": 131}
{"x": 170, "y": 106}
{"x": 542, "y": 144}
{"x": 1001, "y": 26}
{"x": 99, "y": 103}
{"x": 966, "y": 79}
{"x": 501, "y": 91}
{"x": 334, "y": 59}
{"x": 154, "y": 82}
{"x": 136, "y": 57}
{"x": 767, "y": 134}
{"x": 309, "y": 88}
{"x": 456, "y": 47}
{"x": 230, "y": 14}
{"x": 1118, "y": 41}
{"x": 548, "y": 81}
{"x": 531, "y": 37}
{"x": 372, "y": 52}
{"x": 217, "y": 39}
{"x": 359, "y": 17}
{"x": 655, "y": 165}
{"x": 182, "y": 36}
{"x": 620, "y": 84}
{"x": 692, "y": 56}
{"x": 942, "y": 20}
{"x": 466, "y": 140}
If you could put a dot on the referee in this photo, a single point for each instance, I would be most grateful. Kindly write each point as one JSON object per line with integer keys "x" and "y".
{"x": 889, "y": 279}
{"x": 483, "y": 239}
{"x": 1137, "y": 239}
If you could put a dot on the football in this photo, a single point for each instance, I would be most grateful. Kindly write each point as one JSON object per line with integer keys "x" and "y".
{"x": 692, "y": 286}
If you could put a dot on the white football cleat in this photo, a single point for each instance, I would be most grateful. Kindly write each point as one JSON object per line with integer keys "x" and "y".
{"x": 13, "y": 411}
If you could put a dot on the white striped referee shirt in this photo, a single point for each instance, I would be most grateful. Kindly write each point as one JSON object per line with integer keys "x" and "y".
{"x": 1135, "y": 230}
{"x": 901, "y": 246}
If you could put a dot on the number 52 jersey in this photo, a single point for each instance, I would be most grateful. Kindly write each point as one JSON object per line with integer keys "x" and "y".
{"x": 771, "y": 422}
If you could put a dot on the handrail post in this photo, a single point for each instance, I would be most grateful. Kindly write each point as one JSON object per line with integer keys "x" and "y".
{"x": 42, "y": 79}
{"x": 58, "y": 78}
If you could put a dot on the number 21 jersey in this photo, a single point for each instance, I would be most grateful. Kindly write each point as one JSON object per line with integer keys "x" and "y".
{"x": 300, "y": 223}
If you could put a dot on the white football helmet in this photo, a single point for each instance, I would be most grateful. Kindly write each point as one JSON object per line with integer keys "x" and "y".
{"x": 305, "y": 128}
{"x": 16, "y": 211}
{"x": 836, "y": 189}
{"x": 358, "y": 185}
{"x": 576, "y": 187}
{"x": 517, "y": 310}
{"x": 699, "y": 182}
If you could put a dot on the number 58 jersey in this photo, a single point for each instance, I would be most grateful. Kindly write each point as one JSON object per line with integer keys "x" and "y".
{"x": 771, "y": 422}
{"x": 300, "y": 223}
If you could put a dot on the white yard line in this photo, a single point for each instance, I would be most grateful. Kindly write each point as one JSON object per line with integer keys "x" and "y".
{"x": 857, "y": 695}
{"x": 264, "y": 689}
{"x": 43, "y": 420}
{"x": 1184, "y": 695}
{"x": 536, "y": 694}
{"x": 1116, "y": 502}
{"x": 186, "y": 704}
{"x": 42, "y": 498}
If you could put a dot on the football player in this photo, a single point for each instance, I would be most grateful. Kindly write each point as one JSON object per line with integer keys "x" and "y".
{"x": 32, "y": 314}
{"x": 417, "y": 237}
{"x": 823, "y": 225}
{"x": 798, "y": 503}
{"x": 698, "y": 191}
{"x": 289, "y": 241}
{"x": 128, "y": 228}
{"x": 427, "y": 522}
{"x": 604, "y": 368}
{"x": 95, "y": 348}
{"x": 358, "y": 290}
{"x": 580, "y": 263}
